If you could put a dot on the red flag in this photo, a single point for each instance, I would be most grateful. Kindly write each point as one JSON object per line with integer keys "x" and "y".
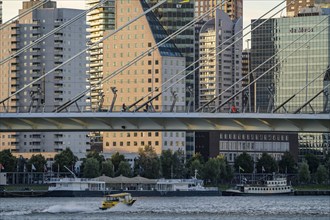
{"x": 1, "y": 167}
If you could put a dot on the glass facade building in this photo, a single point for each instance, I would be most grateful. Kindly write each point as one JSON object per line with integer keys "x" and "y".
{"x": 292, "y": 64}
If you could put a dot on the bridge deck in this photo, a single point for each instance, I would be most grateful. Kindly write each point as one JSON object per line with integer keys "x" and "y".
{"x": 160, "y": 121}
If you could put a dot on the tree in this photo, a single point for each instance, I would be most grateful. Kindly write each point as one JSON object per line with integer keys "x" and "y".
{"x": 166, "y": 163}
{"x": 211, "y": 171}
{"x": 107, "y": 168}
{"x": 38, "y": 162}
{"x": 124, "y": 169}
{"x": 321, "y": 174}
{"x": 65, "y": 158}
{"x": 287, "y": 163}
{"x": 313, "y": 162}
{"x": 147, "y": 163}
{"x": 197, "y": 167}
{"x": 95, "y": 155}
{"x": 244, "y": 161}
{"x": 178, "y": 164}
{"x": 116, "y": 159}
{"x": 8, "y": 161}
{"x": 91, "y": 168}
{"x": 194, "y": 163}
{"x": 267, "y": 162}
{"x": 304, "y": 173}
{"x": 222, "y": 168}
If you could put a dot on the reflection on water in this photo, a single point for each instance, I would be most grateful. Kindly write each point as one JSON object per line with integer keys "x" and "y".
{"x": 246, "y": 208}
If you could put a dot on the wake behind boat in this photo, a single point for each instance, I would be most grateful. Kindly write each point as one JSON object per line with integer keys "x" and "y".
{"x": 276, "y": 186}
{"x": 114, "y": 199}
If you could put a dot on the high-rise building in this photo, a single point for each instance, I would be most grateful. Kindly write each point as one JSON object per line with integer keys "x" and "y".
{"x": 234, "y": 8}
{"x": 53, "y": 90}
{"x": 99, "y": 20}
{"x": 295, "y": 71}
{"x": 142, "y": 77}
{"x": 220, "y": 70}
{"x": 172, "y": 16}
{"x": 294, "y": 8}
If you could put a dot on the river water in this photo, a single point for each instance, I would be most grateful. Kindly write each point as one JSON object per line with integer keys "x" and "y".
{"x": 185, "y": 208}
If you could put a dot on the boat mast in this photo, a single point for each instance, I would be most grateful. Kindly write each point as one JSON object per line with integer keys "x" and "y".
{"x": 74, "y": 175}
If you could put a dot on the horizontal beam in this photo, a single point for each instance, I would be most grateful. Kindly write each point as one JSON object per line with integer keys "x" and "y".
{"x": 157, "y": 121}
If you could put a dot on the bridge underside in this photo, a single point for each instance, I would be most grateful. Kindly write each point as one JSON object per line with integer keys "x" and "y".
{"x": 120, "y": 121}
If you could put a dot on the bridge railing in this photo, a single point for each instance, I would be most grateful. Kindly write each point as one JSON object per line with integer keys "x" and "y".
{"x": 315, "y": 109}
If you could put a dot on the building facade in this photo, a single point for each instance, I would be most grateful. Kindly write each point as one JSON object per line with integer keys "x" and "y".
{"x": 99, "y": 20}
{"x": 234, "y": 8}
{"x": 232, "y": 143}
{"x": 142, "y": 77}
{"x": 296, "y": 71}
{"x": 220, "y": 70}
{"x": 53, "y": 90}
{"x": 172, "y": 16}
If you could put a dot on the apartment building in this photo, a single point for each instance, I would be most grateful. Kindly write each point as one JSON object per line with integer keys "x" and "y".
{"x": 53, "y": 90}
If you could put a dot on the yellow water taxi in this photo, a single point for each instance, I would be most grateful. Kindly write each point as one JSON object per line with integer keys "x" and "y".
{"x": 114, "y": 199}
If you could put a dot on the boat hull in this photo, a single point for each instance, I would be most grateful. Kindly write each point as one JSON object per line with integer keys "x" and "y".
{"x": 233, "y": 193}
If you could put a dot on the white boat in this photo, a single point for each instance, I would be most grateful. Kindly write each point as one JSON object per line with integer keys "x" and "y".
{"x": 72, "y": 187}
{"x": 276, "y": 186}
{"x": 75, "y": 187}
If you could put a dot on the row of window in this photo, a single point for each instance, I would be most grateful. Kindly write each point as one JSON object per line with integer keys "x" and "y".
{"x": 261, "y": 137}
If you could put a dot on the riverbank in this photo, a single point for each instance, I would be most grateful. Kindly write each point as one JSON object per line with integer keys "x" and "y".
{"x": 45, "y": 193}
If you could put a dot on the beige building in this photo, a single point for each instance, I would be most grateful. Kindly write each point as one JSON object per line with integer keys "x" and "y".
{"x": 294, "y": 8}
{"x": 234, "y": 8}
{"x": 142, "y": 77}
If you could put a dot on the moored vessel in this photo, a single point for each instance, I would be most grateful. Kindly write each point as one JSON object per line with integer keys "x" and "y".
{"x": 275, "y": 186}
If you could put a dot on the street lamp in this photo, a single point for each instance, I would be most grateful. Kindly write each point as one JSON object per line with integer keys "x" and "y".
{"x": 307, "y": 55}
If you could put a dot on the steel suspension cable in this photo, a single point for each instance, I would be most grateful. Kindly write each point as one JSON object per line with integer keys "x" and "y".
{"x": 40, "y": 39}
{"x": 12, "y": 20}
{"x": 116, "y": 72}
{"x": 222, "y": 104}
{"x": 83, "y": 51}
{"x": 210, "y": 52}
{"x": 291, "y": 97}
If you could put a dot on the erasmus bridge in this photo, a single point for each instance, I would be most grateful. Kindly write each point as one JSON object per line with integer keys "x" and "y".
{"x": 69, "y": 117}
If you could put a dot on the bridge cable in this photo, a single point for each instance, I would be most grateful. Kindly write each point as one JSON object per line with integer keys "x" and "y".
{"x": 116, "y": 72}
{"x": 301, "y": 89}
{"x": 210, "y": 52}
{"x": 12, "y": 20}
{"x": 83, "y": 51}
{"x": 233, "y": 96}
{"x": 40, "y": 39}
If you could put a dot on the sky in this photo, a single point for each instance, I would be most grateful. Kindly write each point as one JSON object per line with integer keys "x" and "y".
{"x": 252, "y": 9}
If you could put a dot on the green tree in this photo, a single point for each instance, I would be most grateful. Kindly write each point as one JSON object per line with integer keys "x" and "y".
{"x": 38, "y": 162}
{"x": 107, "y": 168}
{"x": 65, "y": 158}
{"x": 91, "y": 168}
{"x": 116, "y": 159}
{"x": 195, "y": 166}
{"x": 8, "y": 161}
{"x": 321, "y": 174}
{"x": 244, "y": 161}
{"x": 95, "y": 155}
{"x": 211, "y": 171}
{"x": 287, "y": 163}
{"x": 178, "y": 164}
{"x": 147, "y": 163}
{"x": 166, "y": 163}
{"x": 304, "y": 173}
{"x": 222, "y": 168}
{"x": 194, "y": 163}
{"x": 267, "y": 162}
{"x": 313, "y": 162}
{"x": 124, "y": 169}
